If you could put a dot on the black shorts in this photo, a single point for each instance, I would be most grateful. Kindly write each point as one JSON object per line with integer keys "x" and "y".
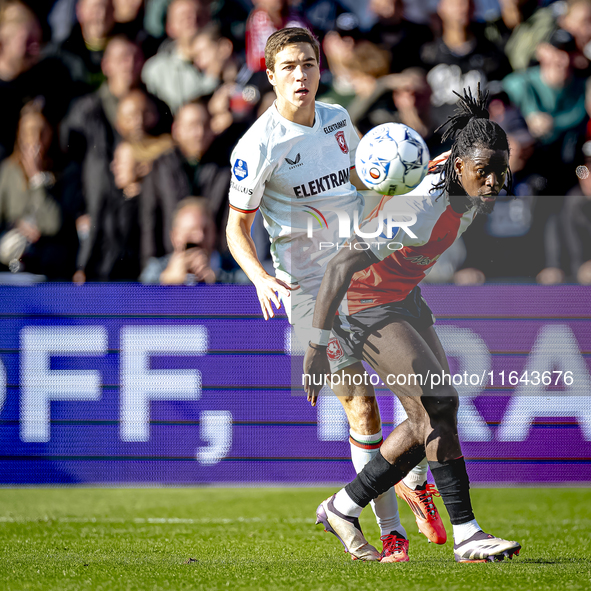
{"x": 353, "y": 333}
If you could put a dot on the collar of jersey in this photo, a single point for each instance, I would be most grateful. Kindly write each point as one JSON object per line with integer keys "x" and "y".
{"x": 297, "y": 126}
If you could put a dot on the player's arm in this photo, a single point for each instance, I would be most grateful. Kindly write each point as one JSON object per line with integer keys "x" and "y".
{"x": 243, "y": 250}
{"x": 335, "y": 283}
{"x": 356, "y": 181}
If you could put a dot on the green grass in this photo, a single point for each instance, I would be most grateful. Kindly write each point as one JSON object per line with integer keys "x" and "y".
{"x": 141, "y": 539}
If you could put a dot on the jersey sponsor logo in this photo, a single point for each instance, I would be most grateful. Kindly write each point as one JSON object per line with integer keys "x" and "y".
{"x": 295, "y": 163}
{"x": 334, "y": 351}
{"x": 242, "y": 189}
{"x": 324, "y": 183}
{"x": 340, "y": 137}
{"x": 422, "y": 260}
{"x": 335, "y": 126}
{"x": 240, "y": 170}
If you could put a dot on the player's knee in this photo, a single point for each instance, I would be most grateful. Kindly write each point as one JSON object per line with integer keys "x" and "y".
{"x": 363, "y": 414}
{"x": 442, "y": 406}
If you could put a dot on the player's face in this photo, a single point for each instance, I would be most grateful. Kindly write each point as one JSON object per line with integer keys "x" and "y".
{"x": 296, "y": 76}
{"x": 482, "y": 176}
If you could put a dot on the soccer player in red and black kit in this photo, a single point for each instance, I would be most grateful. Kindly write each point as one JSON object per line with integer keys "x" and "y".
{"x": 391, "y": 327}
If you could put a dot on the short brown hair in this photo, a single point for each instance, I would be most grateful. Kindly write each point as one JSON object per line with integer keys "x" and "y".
{"x": 280, "y": 39}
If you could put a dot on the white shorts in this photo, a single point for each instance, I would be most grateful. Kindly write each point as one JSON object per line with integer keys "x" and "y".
{"x": 299, "y": 308}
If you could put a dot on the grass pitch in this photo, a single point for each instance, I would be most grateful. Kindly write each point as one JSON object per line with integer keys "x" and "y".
{"x": 143, "y": 539}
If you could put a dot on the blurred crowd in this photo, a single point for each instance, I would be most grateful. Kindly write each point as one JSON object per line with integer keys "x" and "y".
{"x": 119, "y": 117}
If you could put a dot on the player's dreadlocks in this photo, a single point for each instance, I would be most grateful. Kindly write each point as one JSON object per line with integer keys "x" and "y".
{"x": 471, "y": 128}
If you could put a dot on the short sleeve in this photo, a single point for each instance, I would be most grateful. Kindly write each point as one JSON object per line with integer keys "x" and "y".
{"x": 250, "y": 173}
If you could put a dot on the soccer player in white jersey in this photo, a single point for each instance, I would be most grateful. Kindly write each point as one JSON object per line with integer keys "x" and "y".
{"x": 393, "y": 331}
{"x": 294, "y": 163}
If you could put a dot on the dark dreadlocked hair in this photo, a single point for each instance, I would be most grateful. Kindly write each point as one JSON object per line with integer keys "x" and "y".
{"x": 471, "y": 128}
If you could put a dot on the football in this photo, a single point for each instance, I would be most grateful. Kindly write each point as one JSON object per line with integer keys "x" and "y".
{"x": 392, "y": 159}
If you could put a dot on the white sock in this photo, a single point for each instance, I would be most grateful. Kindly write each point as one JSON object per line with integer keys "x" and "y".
{"x": 417, "y": 476}
{"x": 385, "y": 506}
{"x": 465, "y": 530}
{"x": 346, "y": 505}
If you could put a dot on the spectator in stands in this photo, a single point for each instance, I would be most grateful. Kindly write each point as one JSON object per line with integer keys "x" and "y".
{"x": 136, "y": 116}
{"x": 89, "y": 129}
{"x": 193, "y": 259}
{"x": 354, "y": 63}
{"x": 171, "y": 74}
{"x": 460, "y": 58}
{"x": 90, "y": 132}
{"x": 552, "y": 100}
{"x": 39, "y": 200}
{"x": 213, "y": 54}
{"x": 412, "y": 99}
{"x": 24, "y": 75}
{"x": 129, "y": 18}
{"x": 516, "y": 225}
{"x": 137, "y": 119}
{"x": 267, "y": 17}
{"x": 358, "y": 76}
{"x": 338, "y": 46}
{"x": 82, "y": 52}
{"x": 157, "y": 14}
{"x": 402, "y": 38}
{"x": 400, "y": 98}
{"x": 235, "y": 106}
{"x": 128, "y": 172}
{"x": 111, "y": 251}
{"x": 577, "y": 21}
{"x": 520, "y": 28}
{"x": 198, "y": 165}
{"x": 576, "y": 220}
{"x": 231, "y": 15}
{"x": 235, "y": 101}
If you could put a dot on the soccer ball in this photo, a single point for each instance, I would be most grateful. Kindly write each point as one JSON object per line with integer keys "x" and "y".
{"x": 392, "y": 159}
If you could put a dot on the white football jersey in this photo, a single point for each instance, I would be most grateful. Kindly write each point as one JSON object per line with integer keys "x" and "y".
{"x": 299, "y": 177}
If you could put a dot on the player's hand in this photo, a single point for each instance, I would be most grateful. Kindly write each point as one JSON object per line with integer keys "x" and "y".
{"x": 268, "y": 290}
{"x": 29, "y": 230}
{"x": 197, "y": 261}
{"x": 316, "y": 367}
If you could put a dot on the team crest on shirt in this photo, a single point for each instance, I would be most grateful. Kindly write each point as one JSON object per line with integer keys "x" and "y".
{"x": 240, "y": 170}
{"x": 334, "y": 351}
{"x": 340, "y": 136}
